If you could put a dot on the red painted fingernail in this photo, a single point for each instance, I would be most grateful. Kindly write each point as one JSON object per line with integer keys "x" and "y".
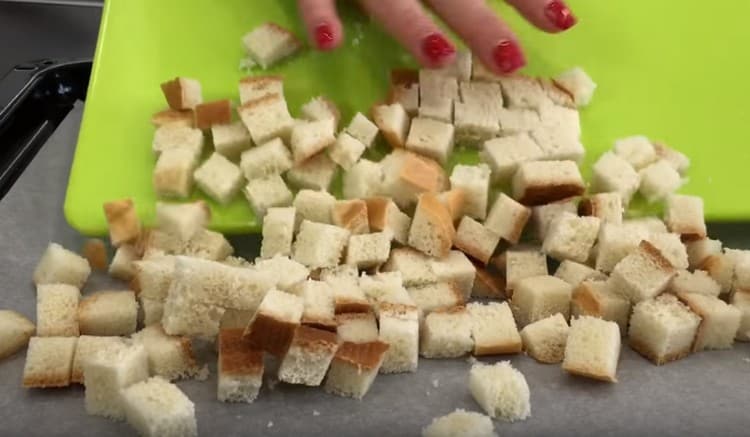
{"x": 324, "y": 36}
{"x": 508, "y": 56}
{"x": 436, "y": 47}
{"x": 559, "y": 15}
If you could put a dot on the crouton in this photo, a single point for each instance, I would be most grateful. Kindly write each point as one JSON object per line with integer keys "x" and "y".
{"x": 61, "y": 266}
{"x": 316, "y": 173}
{"x": 407, "y": 95}
{"x": 171, "y": 117}
{"x": 476, "y": 240}
{"x": 699, "y": 250}
{"x": 351, "y": 215}
{"x": 637, "y": 151}
{"x": 265, "y": 160}
{"x": 415, "y": 267}
{"x": 597, "y": 299}
{"x": 658, "y": 181}
{"x": 542, "y": 215}
{"x": 385, "y": 288}
{"x": 173, "y": 173}
{"x": 310, "y": 138}
{"x": 108, "y": 313}
{"x": 286, "y": 272}
{"x": 362, "y": 180}
{"x": 368, "y": 250}
{"x": 446, "y": 334}
{"x": 95, "y": 253}
{"x": 88, "y": 347}
{"x": 439, "y": 109}
{"x": 643, "y": 274}
{"x": 274, "y": 324}
{"x": 254, "y": 87}
{"x": 430, "y": 138}
{"x": 108, "y": 373}
{"x": 741, "y": 300}
{"x": 362, "y": 129}
{"x": 182, "y": 93}
{"x": 354, "y": 368}
{"x": 384, "y": 216}
{"x": 487, "y": 284}
{"x": 544, "y": 340}
{"x": 454, "y": 201}
{"x": 436, "y": 296}
{"x": 523, "y": 92}
{"x": 49, "y": 361}
{"x": 184, "y": 220}
{"x": 719, "y": 321}
{"x": 662, "y": 329}
{"x": 694, "y": 282}
{"x": 319, "y": 245}
{"x": 269, "y": 43}
{"x": 231, "y": 140}
{"x": 522, "y": 264}
{"x": 437, "y": 84}
{"x": 172, "y": 137}
{"x": 346, "y": 151}
{"x": 314, "y": 206}
{"x": 240, "y": 368}
{"x": 153, "y": 310}
{"x": 170, "y": 357}
{"x": 455, "y": 268}
{"x": 268, "y": 192}
{"x": 516, "y": 121}
{"x": 121, "y": 266}
{"x": 399, "y": 328}
{"x": 155, "y": 407}
{"x": 209, "y": 245}
{"x": 574, "y": 273}
{"x": 558, "y": 143}
{"x": 677, "y": 160}
{"x": 672, "y": 248}
{"x": 431, "y": 229}
{"x": 720, "y": 267}
{"x": 347, "y": 295}
{"x": 474, "y": 123}
{"x": 278, "y": 232}
{"x": 460, "y": 422}
{"x": 606, "y": 206}
{"x": 309, "y": 356}
{"x": 214, "y": 113}
{"x": 57, "y": 310}
{"x": 540, "y": 182}
{"x": 266, "y": 118}
{"x": 493, "y": 329}
{"x": 15, "y": 332}
{"x": 393, "y": 121}
{"x": 684, "y": 215}
{"x": 578, "y": 84}
{"x": 406, "y": 175}
{"x": 592, "y": 349}
{"x": 571, "y": 237}
{"x": 474, "y": 181}
{"x": 219, "y": 178}
{"x": 612, "y": 173}
{"x": 507, "y": 218}
{"x": 356, "y": 327}
{"x": 538, "y": 297}
{"x": 500, "y": 390}
{"x": 122, "y": 220}
{"x": 556, "y": 93}
{"x": 483, "y": 94}
{"x": 319, "y": 305}
{"x": 321, "y": 108}
{"x": 236, "y": 319}
{"x": 615, "y": 243}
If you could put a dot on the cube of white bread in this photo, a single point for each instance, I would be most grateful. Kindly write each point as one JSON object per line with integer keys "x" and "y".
{"x": 436, "y": 296}
{"x": 612, "y": 173}
{"x": 672, "y": 248}
{"x": 57, "y": 310}
{"x": 219, "y": 178}
{"x": 158, "y": 243}
{"x": 415, "y": 267}
{"x": 460, "y": 422}
{"x": 184, "y": 118}
{"x": 676, "y": 159}
{"x": 368, "y": 250}
{"x": 170, "y": 357}
{"x": 278, "y": 232}
{"x": 571, "y": 237}
{"x": 61, "y": 266}
{"x": 454, "y": 201}
{"x": 320, "y": 245}
{"x": 230, "y": 140}
{"x": 267, "y": 192}
{"x": 187, "y": 139}
{"x": 578, "y": 83}
{"x": 393, "y": 121}
{"x": 383, "y": 215}
{"x": 356, "y": 327}
{"x": 319, "y": 305}
{"x": 592, "y": 349}
{"x": 269, "y": 43}
{"x": 108, "y": 313}
{"x": 361, "y": 128}
{"x": 310, "y": 138}
{"x": 122, "y": 221}
{"x": 474, "y": 123}
{"x": 436, "y": 108}
{"x": 240, "y": 368}
{"x": 208, "y": 245}
{"x": 183, "y": 315}
{"x": 15, "y": 332}
{"x": 446, "y": 334}
{"x": 348, "y": 297}
{"x": 321, "y": 108}
{"x": 431, "y": 230}
{"x": 544, "y": 340}
{"x": 460, "y": 68}
{"x": 254, "y": 87}
{"x": 399, "y": 328}
{"x": 431, "y": 138}
{"x": 741, "y": 300}
{"x": 485, "y": 94}
{"x": 539, "y": 297}
{"x": 213, "y": 113}
{"x": 507, "y": 218}
{"x": 346, "y": 151}
{"x": 273, "y": 325}
{"x": 266, "y": 159}
{"x": 49, "y": 361}
{"x": 540, "y": 182}
{"x": 643, "y": 274}
{"x": 385, "y": 287}
{"x": 542, "y": 215}
{"x": 476, "y": 240}
{"x": 236, "y": 319}
{"x": 362, "y": 180}
{"x": 488, "y": 284}
{"x": 651, "y": 225}
{"x": 309, "y": 356}
{"x": 157, "y": 408}
{"x": 493, "y": 329}
{"x": 699, "y": 250}
{"x": 721, "y": 268}
{"x": 684, "y": 215}
{"x": 662, "y": 329}
{"x": 354, "y": 368}
{"x": 266, "y": 118}
{"x": 152, "y": 310}
{"x": 406, "y": 175}
{"x": 407, "y": 95}
{"x": 658, "y": 181}
{"x": 107, "y": 373}
{"x": 183, "y": 220}
{"x": 500, "y": 390}
{"x": 558, "y": 143}
{"x": 316, "y": 173}
{"x": 455, "y": 268}
{"x": 561, "y": 122}
{"x": 741, "y": 268}
{"x": 523, "y": 92}
{"x": 474, "y": 180}
{"x": 636, "y": 150}
{"x": 436, "y": 84}
{"x": 173, "y": 173}
{"x": 314, "y": 206}
{"x": 522, "y": 264}
{"x": 351, "y": 215}
{"x": 286, "y": 272}
{"x": 182, "y": 93}
{"x": 517, "y": 121}
{"x": 597, "y": 299}
{"x": 719, "y": 321}
{"x": 574, "y": 273}
{"x": 606, "y": 206}
{"x": 88, "y": 347}
{"x": 121, "y": 266}
{"x": 616, "y": 242}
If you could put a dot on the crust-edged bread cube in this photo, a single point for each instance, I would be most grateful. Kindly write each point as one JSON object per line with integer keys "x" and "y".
{"x": 348, "y": 297}
{"x": 122, "y": 220}
{"x": 415, "y": 267}
{"x": 231, "y": 139}
{"x": 316, "y": 173}
{"x": 695, "y": 282}
{"x": 671, "y": 246}
{"x": 219, "y": 178}
{"x": 172, "y": 137}
{"x": 184, "y": 220}
{"x": 319, "y": 245}
{"x": 267, "y": 192}
{"x": 493, "y": 329}
{"x": 476, "y": 240}
{"x": 437, "y": 84}
{"x": 636, "y": 150}
{"x": 285, "y": 272}
{"x": 456, "y": 268}
{"x": 611, "y": 173}
{"x": 269, "y": 43}
{"x": 540, "y": 182}
{"x": 182, "y": 93}
{"x": 309, "y": 356}
{"x": 121, "y": 266}
{"x": 615, "y": 243}
{"x": 266, "y": 118}
{"x": 57, "y": 310}
{"x": 542, "y": 215}
{"x": 61, "y": 266}
{"x": 362, "y": 129}
{"x": 522, "y": 264}
{"x": 500, "y": 390}
{"x": 351, "y": 215}
{"x": 167, "y": 117}
{"x": 399, "y": 328}
{"x": 319, "y": 304}
{"x": 321, "y": 108}
{"x": 474, "y": 180}
{"x": 574, "y": 273}
{"x": 676, "y": 159}
{"x": 596, "y": 298}
{"x": 407, "y": 95}
{"x": 559, "y": 134}
{"x": 545, "y": 339}
{"x": 49, "y": 361}
{"x": 474, "y": 123}
{"x": 170, "y": 357}
{"x": 454, "y": 201}
{"x": 157, "y": 408}
{"x": 346, "y": 150}
{"x": 431, "y": 138}
{"x": 15, "y": 332}
{"x": 699, "y": 250}
{"x": 643, "y": 274}
{"x": 659, "y": 180}
{"x": 209, "y": 114}
{"x": 435, "y": 297}
{"x": 356, "y": 327}
{"x": 406, "y": 175}
{"x": 310, "y": 138}
{"x": 89, "y": 347}
{"x": 684, "y": 215}
{"x": 488, "y": 284}
{"x": 314, "y": 206}
{"x": 209, "y": 245}
{"x": 431, "y": 230}
{"x": 719, "y": 321}
{"x": 507, "y": 218}
{"x": 368, "y": 250}
{"x": 173, "y": 173}
{"x": 267, "y": 159}
{"x": 384, "y": 216}
{"x": 720, "y": 267}
{"x": 539, "y": 297}
{"x": 278, "y": 232}
{"x": 354, "y": 368}
{"x": 255, "y": 87}
{"x": 570, "y": 237}
{"x": 486, "y": 94}
{"x": 154, "y": 276}
{"x": 523, "y": 92}
{"x": 662, "y": 329}
{"x": 592, "y": 349}
{"x": 578, "y": 84}
{"x": 446, "y": 334}
{"x": 363, "y": 180}
{"x": 108, "y": 313}
{"x": 152, "y": 309}
{"x": 107, "y": 374}
{"x": 606, "y": 206}
{"x": 95, "y": 252}
{"x": 393, "y": 121}
{"x": 741, "y": 300}
{"x": 240, "y": 368}
{"x": 460, "y": 422}
{"x": 274, "y": 324}
{"x": 505, "y": 154}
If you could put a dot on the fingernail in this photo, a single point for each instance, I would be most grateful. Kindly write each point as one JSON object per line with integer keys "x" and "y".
{"x": 508, "y": 56}
{"x": 436, "y": 47}
{"x": 324, "y": 36}
{"x": 559, "y": 15}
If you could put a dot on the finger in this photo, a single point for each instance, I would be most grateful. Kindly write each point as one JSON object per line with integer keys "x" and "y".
{"x": 407, "y": 21}
{"x": 487, "y": 35}
{"x": 323, "y": 24}
{"x": 549, "y": 15}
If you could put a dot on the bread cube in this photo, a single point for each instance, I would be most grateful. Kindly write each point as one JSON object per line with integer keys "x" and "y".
{"x": 156, "y": 407}
{"x": 285, "y": 272}
{"x": 456, "y": 268}
{"x": 719, "y": 321}
{"x": 493, "y": 329}
{"x": 612, "y": 173}
{"x": 406, "y": 175}
{"x": 154, "y": 276}
{"x": 15, "y": 332}
{"x": 88, "y": 347}
{"x": 267, "y": 192}
{"x": 437, "y": 84}
{"x": 460, "y": 422}
{"x": 219, "y": 178}
{"x": 507, "y": 218}
{"x": 615, "y": 243}
{"x": 393, "y": 121}
{"x": 506, "y": 153}
{"x": 384, "y": 216}
{"x": 475, "y": 183}
{"x": 538, "y": 297}
{"x": 182, "y": 93}
{"x": 540, "y": 182}
{"x": 578, "y": 84}
{"x": 636, "y": 150}
{"x": 362, "y": 180}
{"x": 597, "y": 299}
{"x": 407, "y": 95}
{"x": 454, "y": 201}
{"x": 678, "y": 160}
{"x": 431, "y": 138}
{"x": 571, "y": 237}
{"x": 48, "y": 362}
{"x": 95, "y": 252}
{"x": 659, "y": 180}
{"x": 518, "y": 121}
{"x": 319, "y": 305}
{"x": 431, "y": 229}
{"x": 684, "y": 215}
{"x": 172, "y": 137}
{"x": 267, "y": 159}
{"x": 121, "y": 266}
{"x": 170, "y": 357}
{"x": 399, "y": 328}
{"x": 592, "y": 349}
{"x": 208, "y": 245}
{"x": 606, "y": 206}
{"x": 122, "y": 220}
{"x": 108, "y": 313}
{"x": 184, "y": 220}
{"x": 362, "y": 129}
{"x": 231, "y": 139}
{"x": 153, "y": 310}
{"x": 321, "y": 108}
{"x": 699, "y": 250}
{"x": 356, "y": 327}
{"x": 446, "y": 334}
{"x": 436, "y": 296}
{"x": 108, "y": 373}
{"x": 488, "y": 285}
{"x": 266, "y": 118}
{"x": 486, "y": 94}
{"x": 476, "y": 240}
{"x": 414, "y": 266}
{"x": 695, "y": 282}
{"x": 574, "y": 273}
{"x": 254, "y": 87}
{"x": 474, "y": 123}
{"x": 173, "y": 173}
{"x": 346, "y": 151}
{"x": 240, "y": 368}
{"x": 269, "y": 43}
{"x": 662, "y": 329}
{"x": 347, "y": 295}
{"x": 741, "y": 300}
{"x": 385, "y": 288}
{"x": 542, "y": 215}
{"x": 316, "y": 173}
{"x": 309, "y": 356}
{"x": 522, "y": 264}
{"x": 314, "y": 206}
{"x": 438, "y": 109}
{"x": 545, "y": 339}
{"x": 61, "y": 266}
{"x": 57, "y": 310}
{"x": 354, "y": 368}
{"x": 720, "y": 268}
{"x": 368, "y": 250}
{"x": 651, "y": 225}
{"x": 167, "y": 117}
{"x": 278, "y": 232}
{"x": 351, "y": 215}
{"x": 319, "y": 245}
{"x": 208, "y": 114}
{"x": 523, "y": 92}
{"x": 672, "y": 248}
{"x": 310, "y": 138}
{"x": 275, "y": 322}
{"x": 643, "y": 274}
{"x": 500, "y": 390}
{"x": 559, "y": 134}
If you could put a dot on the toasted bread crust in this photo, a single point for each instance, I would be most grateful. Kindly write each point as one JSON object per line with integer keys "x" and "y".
{"x": 377, "y": 212}
{"x": 423, "y": 174}
{"x": 473, "y": 251}
{"x": 270, "y": 334}
{"x": 656, "y": 256}
{"x": 313, "y": 339}
{"x": 173, "y": 117}
{"x": 455, "y": 200}
{"x": 587, "y": 300}
{"x": 329, "y": 325}
{"x": 213, "y": 113}
{"x": 236, "y": 357}
{"x": 548, "y": 193}
{"x": 441, "y": 220}
{"x": 343, "y": 306}
{"x": 498, "y": 349}
{"x": 95, "y": 252}
{"x": 404, "y": 76}
{"x": 363, "y": 356}
{"x": 643, "y": 350}
{"x": 696, "y": 307}
{"x": 253, "y": 105}
{"x": 351, "y": 215}
{"x": 123, "y": 222}
{"x": 174, "y": 94}
{"x": 59, "y": 379}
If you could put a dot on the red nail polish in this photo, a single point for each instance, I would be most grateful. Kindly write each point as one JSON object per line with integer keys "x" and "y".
{"x": 508, "y": 56}
{"x": 559, "y": 15}
{"x": 324, "y": 36}
{"x": 436, "y": 47}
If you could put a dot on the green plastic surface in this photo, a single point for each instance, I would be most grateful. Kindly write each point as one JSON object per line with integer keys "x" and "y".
{"x": 675, "y": 72}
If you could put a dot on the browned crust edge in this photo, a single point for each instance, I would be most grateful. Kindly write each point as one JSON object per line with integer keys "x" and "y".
{"x": 548, "y": 193}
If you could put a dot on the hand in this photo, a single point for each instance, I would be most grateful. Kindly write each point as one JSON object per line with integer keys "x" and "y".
{"x": 473, "y": 20}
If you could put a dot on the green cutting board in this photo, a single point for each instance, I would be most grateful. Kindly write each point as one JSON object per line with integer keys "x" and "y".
{"x": 674, "y": 71}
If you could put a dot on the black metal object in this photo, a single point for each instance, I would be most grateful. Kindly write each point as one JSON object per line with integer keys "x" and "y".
{"x": 35, "y": 97}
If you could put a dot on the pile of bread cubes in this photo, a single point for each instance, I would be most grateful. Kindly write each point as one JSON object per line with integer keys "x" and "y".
{"x": 412, "y": 261}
